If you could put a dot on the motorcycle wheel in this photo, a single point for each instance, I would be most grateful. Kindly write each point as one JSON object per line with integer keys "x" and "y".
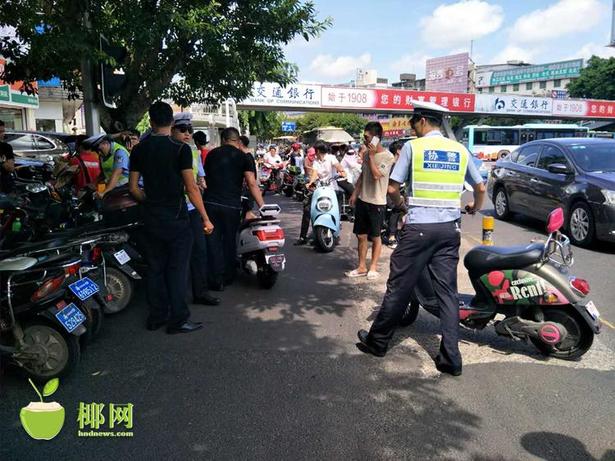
{"x": 578, "y": 341}
{"x": 59, "y": 351}
{"x": 324, "y": 239}
{"x": 410, "y": 314}
{"x": 119, "y": 286}
{"x": 267, "y": 277}
{"x": 94, "y": 322}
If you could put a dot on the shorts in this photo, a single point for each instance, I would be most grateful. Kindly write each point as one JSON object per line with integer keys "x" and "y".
{"x": 368, "y": 219}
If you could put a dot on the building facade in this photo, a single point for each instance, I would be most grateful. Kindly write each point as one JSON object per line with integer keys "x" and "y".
{"x": 518, "y": 77}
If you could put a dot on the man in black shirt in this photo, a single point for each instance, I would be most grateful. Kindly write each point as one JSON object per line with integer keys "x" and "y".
{"x": 166, "y": 168}
{"x": 226, "y": 169}
{"x": 7, "y": 163}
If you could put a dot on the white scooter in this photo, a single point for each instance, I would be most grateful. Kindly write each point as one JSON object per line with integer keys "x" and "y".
{"x": 258, "y": 246}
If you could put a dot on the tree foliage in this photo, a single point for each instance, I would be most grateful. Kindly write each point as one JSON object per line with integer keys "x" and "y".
{"x": 188, "y": 50}
{"x": 264, "y": 125}
{"x": 351, "y": 123}
{"x": 597, "y": 80}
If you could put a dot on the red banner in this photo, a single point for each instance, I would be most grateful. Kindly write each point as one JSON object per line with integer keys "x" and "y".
{"x": 402, "y": 100}
{"x": 600, "y": 109}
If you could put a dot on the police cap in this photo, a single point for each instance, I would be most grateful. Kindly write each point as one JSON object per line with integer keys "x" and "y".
{"x": 182, "y": 119}
{"x": 93, "y": 142}
{"x": 428, "y": 110}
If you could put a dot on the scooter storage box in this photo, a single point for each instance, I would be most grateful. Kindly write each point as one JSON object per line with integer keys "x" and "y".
{"x": 119, "y": 208}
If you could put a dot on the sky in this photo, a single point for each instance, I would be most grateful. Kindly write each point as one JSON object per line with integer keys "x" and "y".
{"x": 395, "y": 36}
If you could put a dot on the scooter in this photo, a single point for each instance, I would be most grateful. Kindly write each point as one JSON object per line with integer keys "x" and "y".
{"x": 288, "y": 179}
{"x": 530, "y": 286}
{"x": 258, "y": 246}
{"x": 325, "y": 216}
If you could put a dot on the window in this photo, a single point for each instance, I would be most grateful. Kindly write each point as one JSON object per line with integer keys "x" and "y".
{"x": 516, "y": 87}
{"x": 503, "y": 88}
{"x": 480, "y": 90}
{"x": 528, "y": 155}
{"x": 20, "y": 142}
{"x": 529, "y": 86}
{"x": 550, "y": 156}
{"x": 45, "y": 125}
{"x": 543, "y": 85}
{"x": 491, "y": 89}
{"x": 557, "y": 83}
{"x": 43, "y": 143}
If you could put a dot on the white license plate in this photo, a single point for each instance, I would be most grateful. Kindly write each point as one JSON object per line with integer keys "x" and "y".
{"x": 277, "y": 262}
{"x": 122, "y": 257}
{"x": 591, "y": 308}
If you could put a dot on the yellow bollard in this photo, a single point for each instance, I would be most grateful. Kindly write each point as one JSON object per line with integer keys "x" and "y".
{"x": 488, "y": 226}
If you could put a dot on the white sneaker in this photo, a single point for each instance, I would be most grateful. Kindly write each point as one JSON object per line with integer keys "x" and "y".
{"x": 373, "y": 275}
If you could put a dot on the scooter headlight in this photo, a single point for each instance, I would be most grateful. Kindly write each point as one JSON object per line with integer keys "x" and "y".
{"x": 324, "y": 204}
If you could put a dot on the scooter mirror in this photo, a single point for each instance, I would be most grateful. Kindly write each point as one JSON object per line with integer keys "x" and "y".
{"x": 555, "y": 221}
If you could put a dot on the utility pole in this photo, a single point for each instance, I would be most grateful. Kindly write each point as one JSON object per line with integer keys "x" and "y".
{"x": 92, "y": 118}
{"x": 613, "y": 27}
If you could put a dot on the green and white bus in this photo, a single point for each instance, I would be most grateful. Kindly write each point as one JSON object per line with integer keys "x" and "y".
{"x": 494, "y": 142}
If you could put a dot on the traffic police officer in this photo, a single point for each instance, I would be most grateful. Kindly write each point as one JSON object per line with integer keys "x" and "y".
{"x": 114, "y": 160}
{"x": 182, "y": 132}
{"x": 434, "y": 169}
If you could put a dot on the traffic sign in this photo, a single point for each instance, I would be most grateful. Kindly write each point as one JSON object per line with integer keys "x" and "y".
{"x": 289, "y": 127}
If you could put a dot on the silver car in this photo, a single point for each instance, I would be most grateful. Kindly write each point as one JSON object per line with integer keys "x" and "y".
{"x": 36, "y": 145}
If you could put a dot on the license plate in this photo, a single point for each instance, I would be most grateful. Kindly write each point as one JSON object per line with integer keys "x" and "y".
{"x": 84, "y": 288}
{"x": 591, "y": 309}
{"x": 70, "y": 317}
{"x": 276, "y": 262}
{"x": 121, "y": 257}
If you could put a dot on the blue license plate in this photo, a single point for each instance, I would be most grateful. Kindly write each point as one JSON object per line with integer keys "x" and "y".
{"x": 84, "y": 288}
{"x": 70, "y": 317}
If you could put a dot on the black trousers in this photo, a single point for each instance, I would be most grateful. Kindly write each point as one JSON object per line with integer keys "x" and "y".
{"x": 169, "y": 244}
{"x": 435, "y": 246}
{"x": 222, "y": 243}
{"x": 307, "y": 215}
{"x": 198, "y": 257}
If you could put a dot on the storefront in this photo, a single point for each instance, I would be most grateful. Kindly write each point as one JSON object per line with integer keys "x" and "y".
{"x": 16, "y": 108}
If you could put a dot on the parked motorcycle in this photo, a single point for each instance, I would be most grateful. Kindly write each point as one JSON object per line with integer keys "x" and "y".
{"x": 39, "y": 330}
{"x": 299, "y": 190}
{"x": 325, "y": 216}
{"x": 530, "y": 286}
{"x": 258, "y": 246}
{"x": 288, "y": 179}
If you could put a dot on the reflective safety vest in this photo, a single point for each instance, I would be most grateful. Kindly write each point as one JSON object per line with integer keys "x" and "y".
{"x": 109, "y": 162}
{"x": 438, "y": 172}
{"x": 196, "y": 158}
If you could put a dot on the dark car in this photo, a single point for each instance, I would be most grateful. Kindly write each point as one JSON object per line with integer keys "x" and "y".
{"x": 577, "y": 174}
{"x": 38, "y": 145}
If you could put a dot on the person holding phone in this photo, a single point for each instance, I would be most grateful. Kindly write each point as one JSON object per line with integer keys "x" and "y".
{"x": 369, "y": 200}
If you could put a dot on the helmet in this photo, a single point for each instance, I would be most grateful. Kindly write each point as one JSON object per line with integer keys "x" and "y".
{"x": 296, "y": 146}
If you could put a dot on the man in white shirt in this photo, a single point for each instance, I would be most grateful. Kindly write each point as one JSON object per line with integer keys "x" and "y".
{"x": 323, "y": 168}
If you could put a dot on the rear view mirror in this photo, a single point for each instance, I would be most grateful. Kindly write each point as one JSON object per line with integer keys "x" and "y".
{"x": 555, "y": 221}
{"x": 559, "y": 168}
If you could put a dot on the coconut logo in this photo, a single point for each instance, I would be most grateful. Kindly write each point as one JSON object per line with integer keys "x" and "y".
{"x": 43, "y": 420}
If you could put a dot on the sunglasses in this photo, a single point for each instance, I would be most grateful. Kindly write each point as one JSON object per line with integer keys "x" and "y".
{"x": 183, "y": 129}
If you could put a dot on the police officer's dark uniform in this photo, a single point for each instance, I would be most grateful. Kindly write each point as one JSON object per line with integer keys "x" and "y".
{"x": 434, "y": 169}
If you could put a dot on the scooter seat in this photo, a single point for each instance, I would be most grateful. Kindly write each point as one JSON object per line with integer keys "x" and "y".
{"x": 484, "y": 259}
{"x": 17, "y": 264}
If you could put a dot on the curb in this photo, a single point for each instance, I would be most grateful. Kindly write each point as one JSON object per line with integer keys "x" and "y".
{"x": 463, "y": 280}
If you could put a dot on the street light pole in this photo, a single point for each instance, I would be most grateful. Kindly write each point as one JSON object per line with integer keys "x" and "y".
{"x": 613, "y": 26}
{"x": 90, "y": 112}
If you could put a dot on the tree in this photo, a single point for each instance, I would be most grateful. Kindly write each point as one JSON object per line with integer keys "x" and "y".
{"x": 597, "y": 80}
{"x": 351, "y": 123}
{"x": 188, "y": 50}
{"x": 263, "y": 125}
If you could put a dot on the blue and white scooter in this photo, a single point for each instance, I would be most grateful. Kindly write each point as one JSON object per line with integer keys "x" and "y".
{"x": 325, "y": 216}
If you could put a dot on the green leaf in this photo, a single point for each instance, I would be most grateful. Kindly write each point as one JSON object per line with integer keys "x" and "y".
{"x": 51, "y": 386}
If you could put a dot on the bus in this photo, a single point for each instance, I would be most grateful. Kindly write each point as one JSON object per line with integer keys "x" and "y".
{"x": 494, "y": 142}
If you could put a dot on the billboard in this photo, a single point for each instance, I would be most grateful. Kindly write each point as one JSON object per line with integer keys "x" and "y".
{"x": 513, "y": 105}
{"x": 448, "y": 73}
{"x": 292, "y": 96}
{"x": 554, "y": 70}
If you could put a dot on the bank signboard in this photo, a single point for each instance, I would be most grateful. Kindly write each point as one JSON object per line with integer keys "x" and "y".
{"x": 273, "y": 95}
{"x": 551, "y": 71}
{"x": 513, "y": 105}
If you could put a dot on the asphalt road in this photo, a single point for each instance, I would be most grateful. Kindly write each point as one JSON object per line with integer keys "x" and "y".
{"x": 276, "y": 375}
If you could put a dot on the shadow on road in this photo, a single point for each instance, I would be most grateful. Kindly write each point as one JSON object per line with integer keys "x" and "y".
{"x": 274, "y": 375}
{"x": 551, "y": 446}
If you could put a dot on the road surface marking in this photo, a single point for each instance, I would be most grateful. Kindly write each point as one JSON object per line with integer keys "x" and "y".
{"x": 607, "y": 323}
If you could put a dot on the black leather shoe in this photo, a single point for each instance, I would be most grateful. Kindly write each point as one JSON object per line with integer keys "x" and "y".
{"x": 442, "y": 368}
{"x": 186, "y": 327}
{"x": 206, "y": 300}
{"x": 216, "y": 286}
{"x": 153, "y": 326}
{"x": 364, "y": 346}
